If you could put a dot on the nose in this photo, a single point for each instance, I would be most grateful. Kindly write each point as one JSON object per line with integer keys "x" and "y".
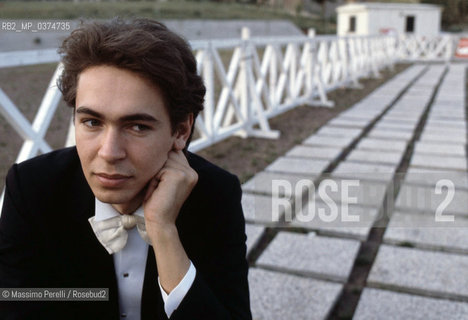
{"x": 112, "y": 146}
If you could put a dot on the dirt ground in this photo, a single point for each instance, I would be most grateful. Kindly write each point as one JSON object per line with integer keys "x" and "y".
{"x": 25, "y": 86}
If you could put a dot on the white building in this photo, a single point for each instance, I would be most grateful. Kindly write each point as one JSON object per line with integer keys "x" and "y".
{"x": 378, "y": 18}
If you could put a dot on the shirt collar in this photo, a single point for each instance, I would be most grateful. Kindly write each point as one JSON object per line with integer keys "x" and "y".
{"x": 104, "y": 211}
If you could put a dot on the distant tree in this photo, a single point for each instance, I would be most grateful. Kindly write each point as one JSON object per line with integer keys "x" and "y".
{"x": 454, "y": 11}
{"x": 323, "y": 5}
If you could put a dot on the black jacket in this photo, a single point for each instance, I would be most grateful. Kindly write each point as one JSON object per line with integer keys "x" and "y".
{"x": 46, "y": 242}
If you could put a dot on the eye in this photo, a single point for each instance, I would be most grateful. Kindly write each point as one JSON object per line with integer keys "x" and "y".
{"x": 91, "y": 123}
{"x": 140, "y": 127}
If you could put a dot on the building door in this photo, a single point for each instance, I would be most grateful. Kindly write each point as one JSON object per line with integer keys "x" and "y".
{"x": 409, "y": 24}
{"x": 352, "y": 24}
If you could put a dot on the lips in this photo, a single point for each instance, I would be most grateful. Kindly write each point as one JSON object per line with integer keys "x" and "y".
{"x": 111, "y": 180}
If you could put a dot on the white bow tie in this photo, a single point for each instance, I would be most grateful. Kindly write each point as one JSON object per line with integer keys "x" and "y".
{"x": 112, "y": 233}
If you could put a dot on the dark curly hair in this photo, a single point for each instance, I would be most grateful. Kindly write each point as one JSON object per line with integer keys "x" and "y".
{"x": 143, "y": 46}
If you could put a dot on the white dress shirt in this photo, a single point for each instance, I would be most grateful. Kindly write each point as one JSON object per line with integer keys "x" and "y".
{"x": 130, "y": 265}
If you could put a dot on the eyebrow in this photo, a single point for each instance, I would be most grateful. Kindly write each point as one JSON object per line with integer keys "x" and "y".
{"x": 130, "y": 117}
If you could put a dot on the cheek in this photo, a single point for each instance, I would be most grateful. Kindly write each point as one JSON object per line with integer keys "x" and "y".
{"x": 151, "y": 159}
{"x": 86, "y": 150}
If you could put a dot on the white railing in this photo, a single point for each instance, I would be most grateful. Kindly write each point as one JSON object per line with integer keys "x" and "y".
{"x": 417, "y": 48}
{"x": 267, "y": 76}
{"x": 32, "y": 134}
{"x": 248, "y": 80}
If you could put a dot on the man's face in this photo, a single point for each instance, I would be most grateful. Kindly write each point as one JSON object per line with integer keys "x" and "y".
{"x": 123, "y": 134}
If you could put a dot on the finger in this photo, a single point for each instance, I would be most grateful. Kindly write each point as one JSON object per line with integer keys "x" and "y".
{"x": 153, "y": 184}
{"x": 177, "y": 166}
{"x": 160, "y": 175}
{"x": 173, "y": 165}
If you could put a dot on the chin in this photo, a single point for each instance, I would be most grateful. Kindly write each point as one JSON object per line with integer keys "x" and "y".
{"x": 113, "y": 197}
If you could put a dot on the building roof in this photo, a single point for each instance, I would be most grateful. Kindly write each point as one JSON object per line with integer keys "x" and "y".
{"x": 366, "y": 6}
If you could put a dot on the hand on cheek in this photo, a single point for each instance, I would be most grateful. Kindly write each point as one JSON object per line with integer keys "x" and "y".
{"x": 169, "y": 189}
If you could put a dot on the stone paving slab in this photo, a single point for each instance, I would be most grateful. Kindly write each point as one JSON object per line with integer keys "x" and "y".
{"x": 422, "y": 231}
{"x": 359, "y": 192}
{"x": 259, "y": 208}
{"x": 262, "y": 182}
{"x": 365, "y": 171}
{"x": 438, "y": 162}
{"x": 424, "y": 199}
{"x": 334, "y": 219}
{"x": 435, "y": 129}
{"x": 365, "y": 109}
{"x": 417, "y": 98}
{"x": 419, "y": 92}
{"x": 461, "y": 124}
{"x": 416, "y": 271}
{"x": 373, "y": 103}
{"x": 376, "y": 98}
{"x": 419, "y": 84}
{"x": 415, "y": 107}
{"x": 392, "y": 126}
{"x": 390, "y": 134}
{"x": 442, "y": 107}
{"x": 379, "y": 144}
{"x": 388, "y": 305}
{"x": 400, "y": 111}
{"x": 278, "y": 296}
{"x": 309, "y": 254}
{"x": 375, "y": 157}
{"x": 253, "y": 233}
{"x": 349, "y": 122}
{"x": 404, "y": 116}
{"x": 387, "y": 88}
{"x": 339, "y": 131}
{"x": 304, "y": 151}
{"x": 399, "y": 119}
{"x": 447, "y": 115}
{"x": 429, "y": 177}
{"x": 452, "y": 95}
{"x": 326, "y": 141}
{"x": 306, "y": 167}
{"x": 444, "y": 111}
{"x": 454, "y": 103}
{"x": 440, "y": 149}
{"x": 447, "y": 138}
{"x": 360, "y": 113}
{"x": 453, "y": 91}
{"x": 412, "y": 103}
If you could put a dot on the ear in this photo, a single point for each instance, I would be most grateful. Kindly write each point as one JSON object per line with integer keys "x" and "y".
{"x": 182, "y": 133}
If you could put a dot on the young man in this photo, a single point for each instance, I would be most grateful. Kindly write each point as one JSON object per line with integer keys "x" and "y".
{"x": 128, "y": 208}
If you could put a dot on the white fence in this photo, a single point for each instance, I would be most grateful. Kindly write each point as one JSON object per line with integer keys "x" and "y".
{"x": 265, "y": 77}
{"x": 417, "y": 48}
{"x": 248, "y": 80}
